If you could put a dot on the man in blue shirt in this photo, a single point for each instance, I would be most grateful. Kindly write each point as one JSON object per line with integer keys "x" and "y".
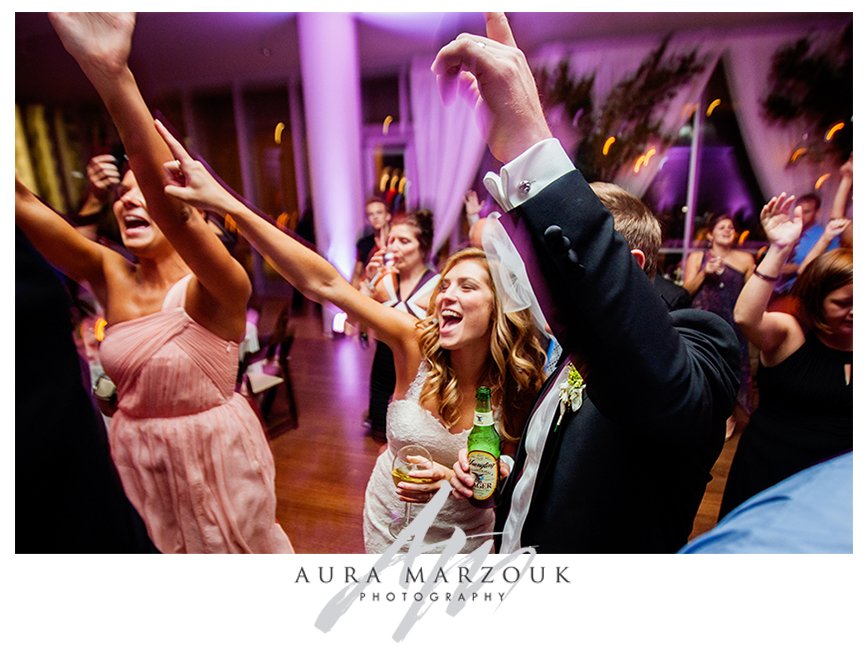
{"x": 809, "y": 512}
{"x": 812, "y": 232}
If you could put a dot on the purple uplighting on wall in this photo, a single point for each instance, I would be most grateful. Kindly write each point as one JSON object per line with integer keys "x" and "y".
{"x": 720, "y": 183}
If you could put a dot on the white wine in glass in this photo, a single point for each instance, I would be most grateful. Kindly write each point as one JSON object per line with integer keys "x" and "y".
{"x": 408, "y": 459}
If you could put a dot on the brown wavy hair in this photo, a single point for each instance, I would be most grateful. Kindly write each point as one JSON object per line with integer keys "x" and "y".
{"x": 514, "y": 366}
{"x": 828, "y": 272}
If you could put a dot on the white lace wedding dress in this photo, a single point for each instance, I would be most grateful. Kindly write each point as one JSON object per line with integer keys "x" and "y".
{"x": 407, "y": 423}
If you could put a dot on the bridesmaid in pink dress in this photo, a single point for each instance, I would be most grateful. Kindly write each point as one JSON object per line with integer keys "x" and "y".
{"x": 190, "y": 451}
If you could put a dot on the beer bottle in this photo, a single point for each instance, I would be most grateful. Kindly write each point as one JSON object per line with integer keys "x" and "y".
{"x": 484, "y": 448}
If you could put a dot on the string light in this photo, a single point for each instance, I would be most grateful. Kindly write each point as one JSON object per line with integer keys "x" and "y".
{"x": 822, "y": 179}
{"x": 800, "y": 151}
{"x": 644, "y": 159}
{"x": 99, "y": 328}
{"x": 385, "y": 178}
{"x": 711, "y": 107}
{"x": 833, "y": 130}
{"x": 608, "y": 144}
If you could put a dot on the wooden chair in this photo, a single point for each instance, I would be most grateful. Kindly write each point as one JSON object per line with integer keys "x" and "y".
{"x": 261, "y": 374}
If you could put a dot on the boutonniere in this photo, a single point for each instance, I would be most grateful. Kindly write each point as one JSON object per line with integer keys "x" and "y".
{"x": 570, "y": 392}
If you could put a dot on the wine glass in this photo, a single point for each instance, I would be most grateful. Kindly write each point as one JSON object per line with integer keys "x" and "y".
{"x": 408, "y": 459}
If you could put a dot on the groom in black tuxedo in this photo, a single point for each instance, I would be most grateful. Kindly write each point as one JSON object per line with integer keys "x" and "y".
{"x": 625, "y": 473}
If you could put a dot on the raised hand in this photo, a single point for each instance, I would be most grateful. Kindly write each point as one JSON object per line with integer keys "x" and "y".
{"x": 100, "y": 42}
{"x": 376, "y": 263}
{"x": 103, "y": 175}
{"x": 496, "y": 75}
{"x": 472, "y": 204}
{"x": 189, "y": 180}
{"x": 782, "y": 226}
{"x": 714, "y": 264}
{"x": 835, "y": 227}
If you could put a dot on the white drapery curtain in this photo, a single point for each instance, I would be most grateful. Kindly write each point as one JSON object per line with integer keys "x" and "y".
{"x": 449, "y": 149}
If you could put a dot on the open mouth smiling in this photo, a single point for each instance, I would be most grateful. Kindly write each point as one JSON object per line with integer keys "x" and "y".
{"x": 134, "y": 223}
{"x": 449, "y": 319}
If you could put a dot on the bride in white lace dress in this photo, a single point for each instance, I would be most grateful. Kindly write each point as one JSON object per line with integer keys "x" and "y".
{"x": 409, "y": 423}
{"x": 468, "y": 340}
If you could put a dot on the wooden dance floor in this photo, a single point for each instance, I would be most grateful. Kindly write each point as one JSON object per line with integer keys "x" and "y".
{"x": 323, "y": 464}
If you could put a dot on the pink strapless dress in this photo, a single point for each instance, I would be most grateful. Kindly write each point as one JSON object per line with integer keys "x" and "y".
{"x": 190, "y": 451}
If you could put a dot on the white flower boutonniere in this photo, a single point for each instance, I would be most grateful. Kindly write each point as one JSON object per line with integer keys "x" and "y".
{"x": 570, "y": 392}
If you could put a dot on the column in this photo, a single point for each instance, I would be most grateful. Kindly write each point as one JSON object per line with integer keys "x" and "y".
{"x": 331, "y": 99}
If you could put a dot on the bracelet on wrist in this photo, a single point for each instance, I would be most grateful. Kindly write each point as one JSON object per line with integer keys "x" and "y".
{"x": 767, "y": 278}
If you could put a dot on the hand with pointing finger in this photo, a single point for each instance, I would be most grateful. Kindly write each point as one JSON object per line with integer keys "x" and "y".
{"x": 496, "y": 74}
{"x": 190, "y": 181}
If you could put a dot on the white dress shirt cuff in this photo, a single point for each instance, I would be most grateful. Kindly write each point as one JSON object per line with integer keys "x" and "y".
{"x": 529, "y": 173}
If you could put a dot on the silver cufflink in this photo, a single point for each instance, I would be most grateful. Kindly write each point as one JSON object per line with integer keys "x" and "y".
{"x": 525, "y": 188}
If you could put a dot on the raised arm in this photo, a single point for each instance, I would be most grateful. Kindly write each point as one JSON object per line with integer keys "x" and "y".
{"x": 101, "y": 43}
{"x": 834, "y": 228}
{"x": 838, "y": 207}
{"x": 770, "y": 331}
{"x": 601, "y": 305}
{"x": 317, "y": 279}
{"x": 64, "y": 247}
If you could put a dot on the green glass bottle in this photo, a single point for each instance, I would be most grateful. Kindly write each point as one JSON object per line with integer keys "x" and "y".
{"x": 484, "y": 449}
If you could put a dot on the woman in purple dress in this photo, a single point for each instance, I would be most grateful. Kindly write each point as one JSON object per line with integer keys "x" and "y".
{"x": 715, "y": 277}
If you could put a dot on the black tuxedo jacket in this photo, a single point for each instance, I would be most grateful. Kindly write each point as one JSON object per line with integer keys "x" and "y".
{"x": 627, "y": 472}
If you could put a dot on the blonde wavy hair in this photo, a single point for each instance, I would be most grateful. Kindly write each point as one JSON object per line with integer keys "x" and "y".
{"x": 514, "y": 367}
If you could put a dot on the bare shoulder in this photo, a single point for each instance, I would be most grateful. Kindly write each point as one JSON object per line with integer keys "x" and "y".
{"x": 695, "y": 257}
{"x": 742, "y": 260}
{"x": 745, "y": 257}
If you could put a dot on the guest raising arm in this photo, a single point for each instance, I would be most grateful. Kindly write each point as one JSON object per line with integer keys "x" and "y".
{"x": 841, "y": 198}
{"x": 805, "y": 363}
{"x": 468, "y": 340}
{"x": 101, "y": 43}
{"x": 771, "y": 331}
{"x": 659, "y": 386}
{"x": 175, "y": 317}
{"x": 838, "y": 223}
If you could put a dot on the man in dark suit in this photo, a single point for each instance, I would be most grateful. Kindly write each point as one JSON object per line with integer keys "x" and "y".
{"x": 627, "y": 470}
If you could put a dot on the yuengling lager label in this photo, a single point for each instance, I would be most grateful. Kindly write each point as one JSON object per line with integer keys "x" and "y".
{"x": 484, "y": 448}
